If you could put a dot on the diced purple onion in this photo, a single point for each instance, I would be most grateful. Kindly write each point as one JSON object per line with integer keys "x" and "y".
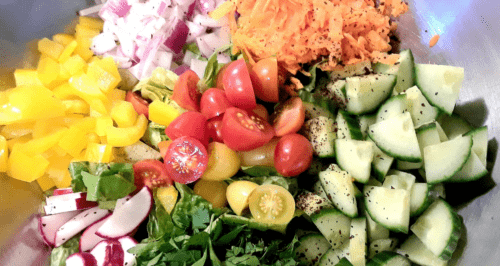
{"x": 181, "y": 69}
{"x": 118, "y": 7}
{"x": 205, "y": 6}
{"x": 206, "y": 21}
{"x": 177, "y": 37}
{"x": 198, "y": 66}
{"x": 103, "y": 43}
{"x": 195, "y": 30}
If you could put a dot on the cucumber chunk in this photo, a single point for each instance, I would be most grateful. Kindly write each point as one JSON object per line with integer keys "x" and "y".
{"x": 381, "y": 163}
{"x": 419, "y": 199}
{"x": 374, "y": 230}
{"x": 337, "y": 92}
{"x": 344, "y": 262}
{"x": 311, "y": 203}
{"x": 365, "y": 94}
{"x": 403, "y": 69}
{"x": 321, "y": 131}
{"x": 339, "y": 189}
{"x": 365, "y": 121}
{"x": 347, "y": 126}
{"x": 454, "y": 125}
{"x": 397, "y": 138}
{"x": 421, "y": 111}
{"x": 439, "y": 228}
{"x": 388, "y": 207}
{"x": 334, "y": 256}
{"x": 334, "y": 226}
{"x": 418, "y": 253}
{"x": 388, "y": 258}
{"x": 472, "y": 170}
{"x": 394, "y": 106}
{"x": 311, "y": 248}
{"x": 480, "y": 142}
{"x": 360, "y": 68}
{"x": 357, "y": 242}
{"x": 316, "y": 105}
{"x": 355, "y": 157}
{"x": 380, "y": 245}
{"x": 401, "y": 181}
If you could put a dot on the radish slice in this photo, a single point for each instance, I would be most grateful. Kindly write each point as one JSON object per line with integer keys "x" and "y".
{"x": 89, "y": 239}
{"x": 127, "y": 243}
{"x": 65, "y": 197}
{"x": 108, "y": 252}
{"x": 70, "y": 205}
{"x": 81, "y": 259}
{"x": 49, "y": 224}
{"x": 62, "y": 191}
{"x": 128, "y": 216}
{"x": 77, "y": 224}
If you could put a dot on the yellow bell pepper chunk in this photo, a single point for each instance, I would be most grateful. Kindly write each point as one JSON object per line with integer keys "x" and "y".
{"x": 168, "y": 197}
{"x": 106, "y": 80}
{"x": 124, "y": 114}
{"x": 87, "y": 87}
{"x": 43, "y": 144}
{"x": 116, "y": 96}
{"x": 93, "y": 138}
{"x": 4, "y": 154}
{"x": 93, "y": 59}
{"x": 81, "y": 31}
{"x": 26, "y": 168}
{"x": 75, "y": 139}
{"x": 91, "y": 23}
{"x": 99, "y": 153}
{"x": 102, "y": 124}
{"x": 83, "y": 47}
{"x": 12, "y": 142}
{"x": 121, "y": 137}
{"x": 45, "y": 182}
{"x": 59, "y": 151}
{"x": 58, "y": 170}
{"x": 45, "y": 127}
{"x": 109, "y": 64}
{"x": 48, "y": 70}
{"x": 75, "y": 65}
{"x": 50, "y": 48}
{"x": 162, "y": 113}
{"x": 17, "y": 130}
{"x": 63, "y": 77}
{"x": 63, "y": 38}
{"x": 65, "y": 91}
{"x": 76, "y": 107}
{"x": 68, "y": 50}
{"x": 27, "y": 77}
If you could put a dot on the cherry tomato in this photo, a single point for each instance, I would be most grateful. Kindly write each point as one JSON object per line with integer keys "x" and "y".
{"x": 264, "y": 75}
{"x": 214, "y": 103}
{"x": 163, "y": 146}
{"x": 237, "y": 194}
{"x": 220, "y": 76}
{"x": 271, "y": 204}
{"x": 212, "y": 191}
{"x": 238, "y": 85}
{"x": 151, "y": 173}
{"x": 261, "y": 111}
{"x": 288, "y": 117}
{"x": 263, "y": 155}
{"x": 141, "y": 106}
{"x": 293, "y": 155}
{"x": 192, "y": 124}
{"x": 223, "y": 163}
{"x": 214, "y": 127}
{"x": 186, "y": 160}
{"x": 244, "y": 130}
{"x": 186, "y": 94}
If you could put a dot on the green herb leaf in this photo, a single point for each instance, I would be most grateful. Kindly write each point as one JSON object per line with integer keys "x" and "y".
{"x": 107, "y": 205}
{"x": 59, "y": 255}
{"x": 312, "y": 71}
{"x": 159, "y": 223}
{"x": 192, "y": 47}
{"x": 155, "y": 133}
{"x": 260, "y": 170}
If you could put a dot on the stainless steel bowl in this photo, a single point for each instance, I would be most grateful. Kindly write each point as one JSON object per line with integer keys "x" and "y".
{"x": 469, "y": 31}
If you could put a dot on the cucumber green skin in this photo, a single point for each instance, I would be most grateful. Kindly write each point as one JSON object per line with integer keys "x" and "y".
{"x": 394, "y": 229}
{"x": 474, "y": 131}
{"x": 381, "y": 101}
{"x": 321, "y": 243}
{"x": 402, "y": 158}
{"x": 453, "y": 125}
{"x": 384, "y": 258}
{"x": 344, "y": 262}
{"x": 428, "y": 201}
{"x": 447, "y": 177}
{"x": 400, "y": 97}
{"x": 319, "y": 101}
{"x": 426, "y": 94}
{"x": 425, "y": 127}
{"x": 352, "y": 125}
{"x": 455, "y": 233}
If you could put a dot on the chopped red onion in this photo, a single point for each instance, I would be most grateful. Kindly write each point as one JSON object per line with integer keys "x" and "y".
{"x": 205, "y": 49}
{"x": 103, "y": 43}
{"x": 149, "y": 55}
{"x": 163, "y": 59}
{"x": 118, "y": 7}
{"x": 187, "y": 57}
{"x": 205, "y": 6}
{"x": 223, "y": 58}
{"x": 177, "y": 37}
{"x": 205, "y": 20}
{"x": 198, "y": 66}
{"x": 181, "y": 69}
{"x": 195, "y": 30}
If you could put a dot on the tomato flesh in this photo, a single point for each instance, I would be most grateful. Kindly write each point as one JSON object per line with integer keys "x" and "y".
{"x": 192, "y": 124}
{"x": 264, "y": 75}
{"x": 186, "y": 93}
{"x": 186, "y": 160}
{"x": 151, "y": 173}
{"x": 244, "y": 130}
{"x": 214, "y": 127}
{"x": 261, "y": 111}
{"x": 271, "y": 204}
{"x": 214, "y": 103}
{"x": 293, "y": 155}
{"x": 141, "y": 106}
{"x": 288, "y": 117}
{"x": 238, "y": 85}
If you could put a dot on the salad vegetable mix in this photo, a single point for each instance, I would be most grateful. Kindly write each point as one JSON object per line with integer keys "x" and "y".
{"x": 251, "y": 132}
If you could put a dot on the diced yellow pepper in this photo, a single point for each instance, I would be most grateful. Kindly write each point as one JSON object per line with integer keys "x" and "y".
{"x": 102, "y": 124}
{"x": 92, "y": 23}
{"x": 43, "y": 144}
{"x": 58, "y": 170}
{"x": 45, "y": 182}
{"x": 124, "y": 114}
{"x": 75, "y": 65}
{"x": 168, "y": 197}
{"x": 58, "y": 151}
{"x": 116, "y": 96}
{"x": 81, "y": 31}
{"x": 93, "y": 138}
{"x": 50, "y": 48}
{"x": 109, "y": 64}
{"x": 98, "y": 153}
{"x": 27, "y": 77}
{"x": 99, "y": 108}
{"x": 24, "y": 167}
{"x": 83, "y": 47}
{"x": 64, "y": 75}
{"x": 162, "y": 113}
{"x": 44, "y": 127}
{"x": 106, "y": 80}
{"x": 65, "y": 91}
{"x": 17, "y": 130}
{"x": 87, "y": 87}
{"x": 75, "y": 139}
{"x": 4, "y": 154}
{"x": 93, "y": 59}
{"x": 12, "y": 142}
{"x": 63, "y": 38}
{"x": 48, "y": 70}
{"x": 76, "y": 107}
{"x": 121, "y": 137}
{"x": 68, "y": 50}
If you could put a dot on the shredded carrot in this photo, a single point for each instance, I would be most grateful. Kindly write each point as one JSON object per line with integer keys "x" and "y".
{"x": 433, "y": 40}
{"x": 304, "y": 31}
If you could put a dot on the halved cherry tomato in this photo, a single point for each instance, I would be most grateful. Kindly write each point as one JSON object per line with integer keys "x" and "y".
{"x": 186, "y": 94}
{"x": 220, "y": 76}
{"x": 264, "y": 75}
{"x": 261, "y": 111}
{"x": 214, "y": 102}
{"x": 186, "y": 160}
{"x": 163, "y": 146}
{"x": 293, "y": 155}
{"x": 244, "y": 130}
{"x": 151, "y": 173}
{"x": 141, "y": 106}
{"x": 192, "y": 124}
{"x": 238, "y": 85}
{"x": 214, "y": 127}
{"x": 271, "y": 204}
{"x": 263, "y": 155}
{"x": 288, "y": 117}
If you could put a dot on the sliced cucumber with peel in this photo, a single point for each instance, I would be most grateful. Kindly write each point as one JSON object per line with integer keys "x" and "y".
{"x": 357, "y": 242}
{"x": 381, "y": 245}
{"x": 339, "y": 189}
{"x": 365, "y": 121}
{"x": 399, "y": 182}
{"x": 472, "y": 170}
{"x": 311, "y": 248}
{"x": 454, "y": 125}
{"x": 334, "y": 256}
{"x": 347, "y": 126}
{"x": 403, "y": 69}
{"x": 316, "y": 105}
{"x": 394, "y": 106}
{"x": 337, "y": 91}
{"x": 365, "y": 94}
{"x": 334, "y": 226}
{"x": 381, "y": 162}
{"x": 480, "y": 142}
{"x": 421, "y": 111}
{"x": 419, "y": 199}
{"x": 416, "y": 251}
{"x": 388, "y": 207}
{"x": 355, "y": 157}
{"x": 321, "y": 131}
{"x": 360, "y": 68}
{"x": 389, "y": 258}
{"x": 374, "y": 230}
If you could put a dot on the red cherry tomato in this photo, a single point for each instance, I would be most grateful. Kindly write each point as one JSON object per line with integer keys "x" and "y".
{"x": 220, "y": 75}
{"x": 264, "y": 75}
{"x": 238, "y": 85}
{"x": 192, "y": 124}
{"x": 151, "y": 173}
{"x": 244, "y": 130}
{"x": 141, "y": 106}
{"x": 214, "y": 126}
{"x": 186, "y": 93}
{"x": 261, "y": 111}
{"x": 214, "y": 102}
{"x": 293, "y": 155}
{"x": 186, "y": 160}
{"x": 288, "y": 117}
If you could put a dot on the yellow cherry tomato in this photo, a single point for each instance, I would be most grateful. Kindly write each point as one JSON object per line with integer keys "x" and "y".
{"x": 237, "y": 195}
{"x": 223, "y": 163}
{"x": 271, "y": 204}
{"x": 213, "y": 191}
{"x": 263, "y": 155}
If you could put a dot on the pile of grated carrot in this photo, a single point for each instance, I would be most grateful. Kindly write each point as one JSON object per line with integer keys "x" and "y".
{"x": 303, "y": 31}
